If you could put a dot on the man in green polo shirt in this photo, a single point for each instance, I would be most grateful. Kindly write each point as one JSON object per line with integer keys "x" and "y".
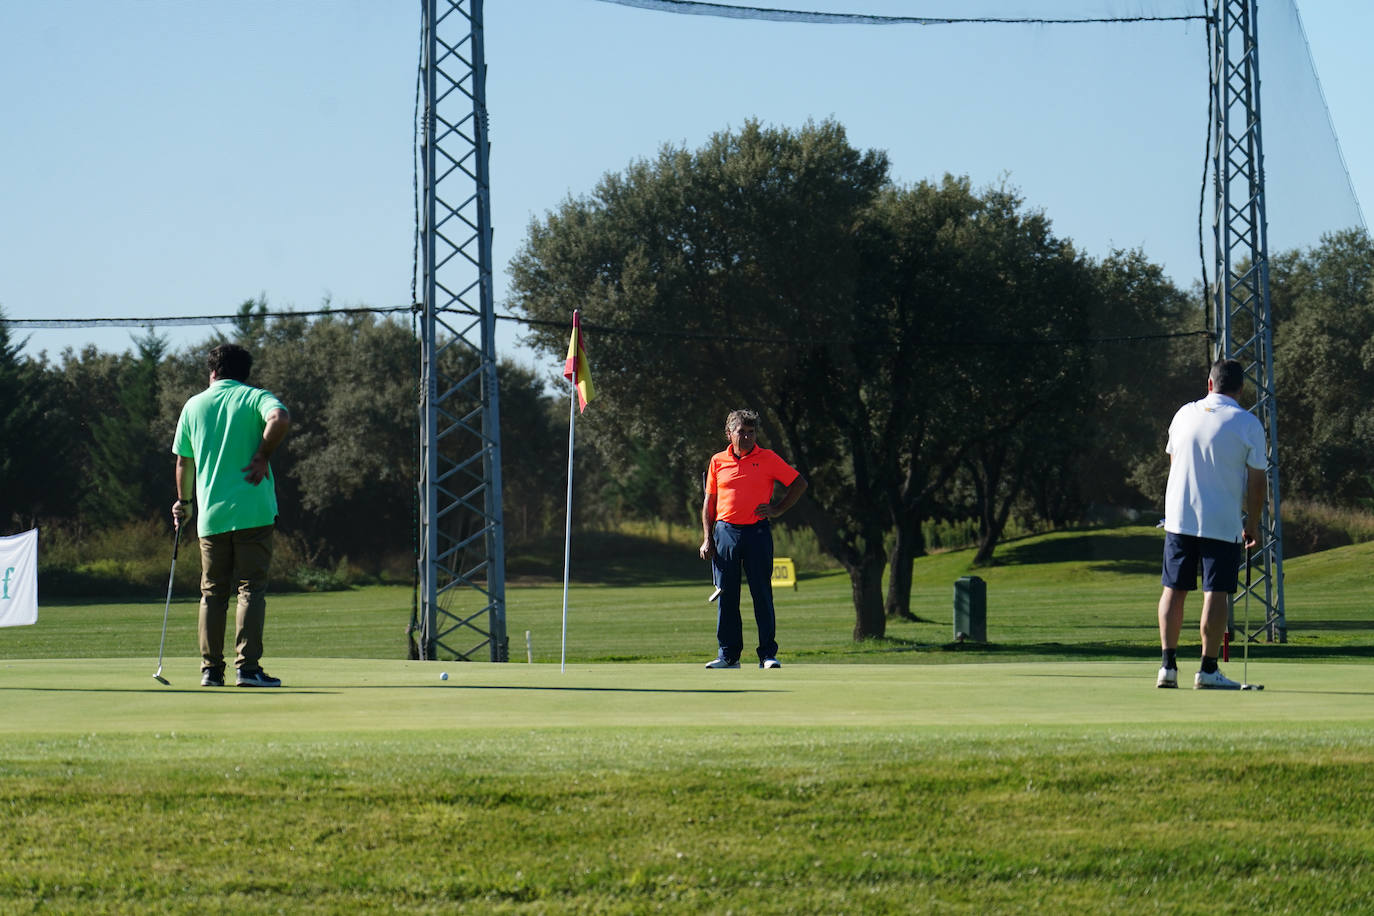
{"x": 224, "y": 438}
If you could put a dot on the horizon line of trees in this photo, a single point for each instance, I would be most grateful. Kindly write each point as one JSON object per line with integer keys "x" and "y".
{"x": 923, "y": 352}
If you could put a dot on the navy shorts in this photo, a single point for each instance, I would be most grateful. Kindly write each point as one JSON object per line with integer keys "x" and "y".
{"x": 1221, "y": 562}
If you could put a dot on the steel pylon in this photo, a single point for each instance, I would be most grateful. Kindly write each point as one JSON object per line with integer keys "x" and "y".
{"x": 1242, "y": 318}
{"x": 461, "y": 556}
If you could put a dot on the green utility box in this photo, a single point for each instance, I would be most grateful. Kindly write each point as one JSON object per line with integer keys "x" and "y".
{"x": 970, "y": 609}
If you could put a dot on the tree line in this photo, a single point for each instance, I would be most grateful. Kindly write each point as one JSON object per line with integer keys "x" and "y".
{"x": 925, "y": 352}
{"x": 918, "y": 352}
{"x": 88, "y": 445}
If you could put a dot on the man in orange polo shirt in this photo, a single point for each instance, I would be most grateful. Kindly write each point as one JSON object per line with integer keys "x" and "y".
{"x": 736, "y": 536}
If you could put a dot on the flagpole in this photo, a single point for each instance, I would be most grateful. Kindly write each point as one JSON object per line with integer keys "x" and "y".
{"x": 567, "y": 524}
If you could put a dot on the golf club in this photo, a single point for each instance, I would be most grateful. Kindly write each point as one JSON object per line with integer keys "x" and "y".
{"x": 715, "y": 592}
{"x": 1245, "y": 670}
{"x": 176, "y": 545}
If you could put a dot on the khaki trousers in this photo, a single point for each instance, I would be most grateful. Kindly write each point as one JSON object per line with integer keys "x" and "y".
{"x": 230, "y": 563}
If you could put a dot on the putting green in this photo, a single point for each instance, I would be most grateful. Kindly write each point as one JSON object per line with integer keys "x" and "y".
{"x": 119, "y": 696}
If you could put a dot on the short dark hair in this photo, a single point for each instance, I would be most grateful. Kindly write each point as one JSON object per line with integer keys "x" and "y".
{"x": 741, "y": 417}
{"x": 231, "y": 361}
{"x": 1228, "y": 376}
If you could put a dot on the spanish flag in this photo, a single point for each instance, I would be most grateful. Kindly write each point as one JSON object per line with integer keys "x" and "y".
{"x": 576, "y": 368}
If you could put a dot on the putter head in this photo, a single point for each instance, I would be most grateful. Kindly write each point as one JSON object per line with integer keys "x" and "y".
{"x": 160, "y": 679}
{"x": 1251, "y": 686}
{"x": 714, "y": 595}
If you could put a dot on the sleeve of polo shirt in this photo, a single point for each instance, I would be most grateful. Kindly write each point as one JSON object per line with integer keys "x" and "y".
{"x": 1257, "y": 458}
{"x": 268, "y": 402}
{"x": 783, "y": 472}
{"x": 1169, "y": 443}
{"x": 181, "y": 441}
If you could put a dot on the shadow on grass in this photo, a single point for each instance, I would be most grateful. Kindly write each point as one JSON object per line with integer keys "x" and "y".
{"x": 198, "y": 691}
{"x": 334, "y": 689}
{"x": 1107, "y": 651}
{"x": 1056, "y": 650}
{"x": 1066, "y": 651}
{"x": 607, "y": 558}
{"x": 1135, "y": 554}
{"x": 1299, "y": 625}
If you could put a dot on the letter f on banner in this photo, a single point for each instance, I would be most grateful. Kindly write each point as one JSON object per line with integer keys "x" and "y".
{"x": 19, "y": 586}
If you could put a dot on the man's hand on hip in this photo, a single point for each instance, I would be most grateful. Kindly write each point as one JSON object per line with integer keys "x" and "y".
{"x": 257, "y": 470}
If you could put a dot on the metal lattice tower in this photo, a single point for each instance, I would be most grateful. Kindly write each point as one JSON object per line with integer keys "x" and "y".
{"x": 462, "y": 570}
{"x": 1242, "y": 319}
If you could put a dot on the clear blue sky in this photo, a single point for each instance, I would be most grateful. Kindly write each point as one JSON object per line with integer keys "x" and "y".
{"x": 168, "y": 158}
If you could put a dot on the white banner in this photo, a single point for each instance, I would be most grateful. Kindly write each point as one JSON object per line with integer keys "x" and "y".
{"x": 19, "y": 579}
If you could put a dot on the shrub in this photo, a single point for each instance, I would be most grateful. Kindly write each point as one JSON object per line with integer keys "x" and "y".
{"x": 133, "y": 559}
{"x": 1310, "y": 526}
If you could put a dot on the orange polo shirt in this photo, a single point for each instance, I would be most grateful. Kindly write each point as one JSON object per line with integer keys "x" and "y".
{"x": 741, "y": 484}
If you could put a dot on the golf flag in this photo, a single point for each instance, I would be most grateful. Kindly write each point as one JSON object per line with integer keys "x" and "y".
{"x": 575, "y": 370}
{"x": 575, "y": 367}
{"x": 19, "y": 579}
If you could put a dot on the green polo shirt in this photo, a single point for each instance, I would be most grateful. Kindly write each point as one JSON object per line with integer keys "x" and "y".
{"x": 220, "y": 429}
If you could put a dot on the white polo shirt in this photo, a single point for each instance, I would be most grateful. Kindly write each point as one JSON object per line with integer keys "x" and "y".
{"x": 1212, "y": 442}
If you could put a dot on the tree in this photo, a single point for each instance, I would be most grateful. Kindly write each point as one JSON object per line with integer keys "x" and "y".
{"x": 892, "y": 338}
{"x": 31, "y": 457}
{"x": 129, "y": 473}
{"x": 983, "y": 291}
{"x": 1153, "y": 357}
{"x": 1324, "y": 367}
{"x": 346, "y": 476}
{"x": 729, "y": 276}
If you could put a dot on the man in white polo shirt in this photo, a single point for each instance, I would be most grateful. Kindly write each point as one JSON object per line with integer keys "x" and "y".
{"x": 1216, "y": 491}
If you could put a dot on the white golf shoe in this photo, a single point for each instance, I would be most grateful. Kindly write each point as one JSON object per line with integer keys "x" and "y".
{"x": 1168, "y": 677}
{"x": 1213, "y": 681}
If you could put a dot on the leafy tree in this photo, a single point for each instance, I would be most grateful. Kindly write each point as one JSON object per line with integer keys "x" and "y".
{"x": 726, "y": 277}
{"x": 534, "y": 453}
{"x": 250, "y": 325}
{"x": 1157, "y": 361}
{"x": 31, "y": 428}
{"x": 891, "y": 337}
{"x": 346, "y": 476}
{"x": 1324, "y": 366}
{"x": 127, "y": 479}
{"x": 990, "y": 291}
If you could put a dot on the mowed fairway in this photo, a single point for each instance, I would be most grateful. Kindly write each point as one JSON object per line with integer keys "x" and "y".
{"x": 55, "y": 697}
{"x": 371, "y": 785}
{"x": 884, "y": 777}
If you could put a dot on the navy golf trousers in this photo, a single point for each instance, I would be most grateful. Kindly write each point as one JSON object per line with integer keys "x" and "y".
{"x": 747, "y": 548}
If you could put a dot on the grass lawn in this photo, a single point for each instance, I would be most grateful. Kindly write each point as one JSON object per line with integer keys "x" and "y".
{"x": 877, "y": 778}
{"x": 1069, "y": 595}
{"x": 373, "y": 785}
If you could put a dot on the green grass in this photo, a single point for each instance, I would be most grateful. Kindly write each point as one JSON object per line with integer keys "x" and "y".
{"x": 372, "y": 785}
{"x": 860, "y": 778}
{"x": 1069, "y": 595}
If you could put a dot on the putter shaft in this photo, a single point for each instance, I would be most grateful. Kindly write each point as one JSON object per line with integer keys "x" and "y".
{"x": 171, "y": 577}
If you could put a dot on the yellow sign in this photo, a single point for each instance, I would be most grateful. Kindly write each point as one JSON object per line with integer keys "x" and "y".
{"x": 784, "y": 572}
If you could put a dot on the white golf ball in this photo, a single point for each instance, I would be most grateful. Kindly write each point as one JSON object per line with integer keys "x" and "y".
{"x": 444, "y": 676}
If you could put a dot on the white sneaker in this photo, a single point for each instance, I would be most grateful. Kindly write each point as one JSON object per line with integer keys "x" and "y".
{"x": 1168, "y": 677}
{"x": 719, "y": 662}
{"x": 770, "y": 663}
{"x": 1214, "y": 681}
